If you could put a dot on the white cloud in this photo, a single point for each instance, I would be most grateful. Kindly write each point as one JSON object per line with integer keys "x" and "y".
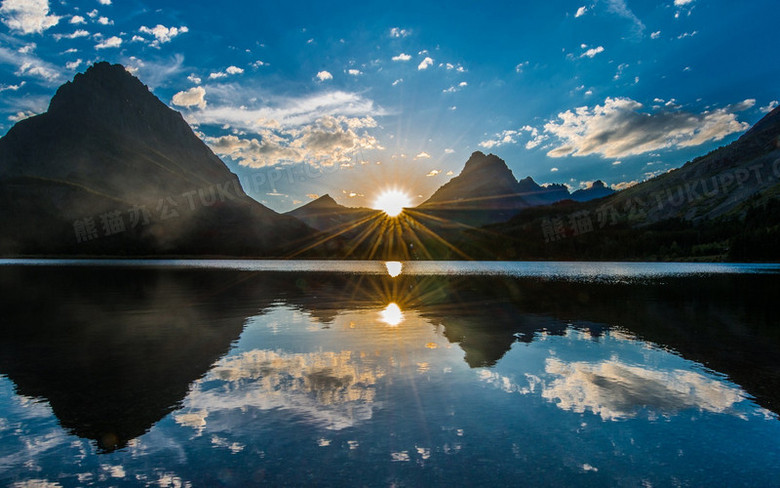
{"x": 29, "y": 65}
{"x": 74, "y": 35}
{"x": 328, "y": 140}
{"x": 449, "y": 66}
{"x": 682, "y": 3}
{"x": 398, "y": 81}
{"x": 282, "y": 111}
{"x": 455, "y": 88}
{"x": 163, "y": 34}
{"x": 234, "y": 70}
{"x": 398, "y": 32}
{"x": 105, "y": 21}
{"x": 624, "y": 184}
{"x": 519, "y": 68}
{"x": 324, "y": 76}
{"x": 27, "y": 16}
{"x": 687, "y": 34}
{"x": 111, "y": 42}
{"x": 423, "y": 155}
{"x": 553, "y": 170}
{"x": 745, "y": 104}
{"x": 78, "y": 19}
{"x": 581, "y": 11}
{"x": 27, "y": 48}
{"x": 12, "y": 87}
{"x": 354, "y": 72}
{"x": 21, "y": 115}
{"x": 449, "y": 150}
{"x": 194, "y": 78}
{"x": 93, "y": 13}
{"x": 590, "y": 53}
{"x": 771, "y": 106}
{"x": 73, "y": 65}
{"x": 217, "y": 75}
{"x": 618, "y": 129}
{"x": 402, "y": 57}
{"x": 655, "y": 35}
{"x": 425, "y": 63}
{"x": 616, "y": 391}
{"x": 620, "y": 8}
{"x": 195, "y": 96}
{"x": 504, "y": 137}
{"x": 325, "y": 128}
{"x": 104, "y": 2}
{"x": 434, "y": 172}
{"x": 512, "y": 137}
{"x": 258, "y": 64}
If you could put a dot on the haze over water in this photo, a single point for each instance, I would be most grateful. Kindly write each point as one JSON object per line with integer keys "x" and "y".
{"x": 217, "y": 373}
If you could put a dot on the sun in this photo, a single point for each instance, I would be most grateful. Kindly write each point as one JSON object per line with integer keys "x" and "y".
{"x": 392, "y": 202}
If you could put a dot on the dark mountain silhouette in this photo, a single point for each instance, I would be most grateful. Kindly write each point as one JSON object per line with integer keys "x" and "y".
{"x": 724, "y": 205}
{"x": 325, "y": 214}
{"x": 484, "y": 182}
{"x": 110, "y": 169}
{"x": 597, "y": 189}
{"x": 486, "y": 191}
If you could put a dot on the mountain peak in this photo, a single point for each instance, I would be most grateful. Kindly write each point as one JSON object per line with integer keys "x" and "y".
{"x": 325, "y": 201}
{"x": 485, "y": 178}
{"x": 101, "y": 83}
{"x": 597, "y": 189}
{"x": 479, "y": 161}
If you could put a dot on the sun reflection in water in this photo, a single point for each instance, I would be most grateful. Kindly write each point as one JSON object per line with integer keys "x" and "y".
{"x": 394, "y": 268}
{"x": 392, "y": 315}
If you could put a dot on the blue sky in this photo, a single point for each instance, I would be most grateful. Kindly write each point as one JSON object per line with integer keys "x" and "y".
{"x": 350, "y": 99}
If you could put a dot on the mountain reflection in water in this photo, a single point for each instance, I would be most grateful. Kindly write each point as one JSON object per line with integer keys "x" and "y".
{"x": 115, "y": 350}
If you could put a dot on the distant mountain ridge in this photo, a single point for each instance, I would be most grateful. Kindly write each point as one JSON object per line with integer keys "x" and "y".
{"x": 597, "y": 189}
{"x": 110, "y": 169}
{"x": 325, "y": 214}
{"x": 486, "y": 191}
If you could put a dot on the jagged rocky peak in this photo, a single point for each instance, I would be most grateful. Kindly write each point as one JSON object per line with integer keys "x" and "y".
{"x": 527, "y": 184}
{"x": 479, "y": 161}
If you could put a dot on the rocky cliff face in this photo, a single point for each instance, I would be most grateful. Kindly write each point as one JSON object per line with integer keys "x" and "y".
{"x": 110, "y": 169}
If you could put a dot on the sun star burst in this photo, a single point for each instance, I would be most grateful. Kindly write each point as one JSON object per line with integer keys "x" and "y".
{"x": 392, "y": 202}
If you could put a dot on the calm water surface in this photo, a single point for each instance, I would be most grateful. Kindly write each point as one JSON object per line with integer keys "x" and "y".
{"x": 328, "y": 373}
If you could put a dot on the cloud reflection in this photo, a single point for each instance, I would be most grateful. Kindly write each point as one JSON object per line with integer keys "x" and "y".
{"x": 616, "y": 391}
{"x": 331, "y": 389}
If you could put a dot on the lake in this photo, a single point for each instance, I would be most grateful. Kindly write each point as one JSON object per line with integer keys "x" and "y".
{"x": 333, "y": 373}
